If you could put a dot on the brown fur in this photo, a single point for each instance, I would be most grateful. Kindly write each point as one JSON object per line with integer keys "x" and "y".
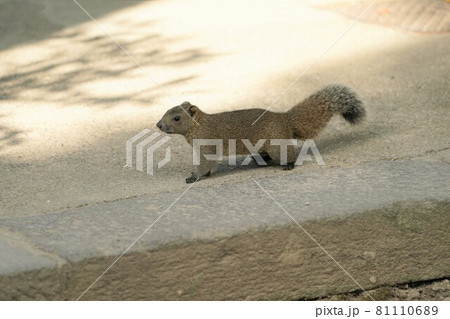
{"x": 304, "y": 121}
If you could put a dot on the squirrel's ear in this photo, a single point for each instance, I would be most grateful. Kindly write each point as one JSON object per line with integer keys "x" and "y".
{"x": 185, "y": 104}
{"x": 192, "y": 110}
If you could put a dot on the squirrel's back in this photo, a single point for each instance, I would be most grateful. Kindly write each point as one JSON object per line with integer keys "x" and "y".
{"x": 240, "y": 124}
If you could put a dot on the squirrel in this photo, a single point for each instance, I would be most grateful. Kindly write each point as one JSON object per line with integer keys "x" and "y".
{"x": 303, "y": 121}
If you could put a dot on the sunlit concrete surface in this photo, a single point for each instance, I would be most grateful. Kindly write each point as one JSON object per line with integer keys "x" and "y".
{"x": 70, "y": 98}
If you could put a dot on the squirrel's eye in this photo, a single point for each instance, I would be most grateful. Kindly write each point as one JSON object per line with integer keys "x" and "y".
{"x": 176, "y": 118}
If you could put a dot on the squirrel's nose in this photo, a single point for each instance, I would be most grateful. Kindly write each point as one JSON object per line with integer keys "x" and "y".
{"x": 159, "y": 125}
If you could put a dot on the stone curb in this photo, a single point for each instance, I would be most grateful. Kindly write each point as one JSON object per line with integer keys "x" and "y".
{"x": 91, "y": 237}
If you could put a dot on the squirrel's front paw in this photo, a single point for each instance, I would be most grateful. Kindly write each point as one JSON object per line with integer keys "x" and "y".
{"x": 288, "y": 167}
{"x": 191, "y": 179}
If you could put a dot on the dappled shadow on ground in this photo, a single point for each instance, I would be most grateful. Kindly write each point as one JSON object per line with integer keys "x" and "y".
{"x": 27, "y": 21}
{"x": 66, "y": 63}
{"x": 62, "y": 76}
{"x": 9, "y": 136}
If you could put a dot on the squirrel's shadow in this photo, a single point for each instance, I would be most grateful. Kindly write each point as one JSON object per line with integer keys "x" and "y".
{"x": 344, "y": 140}
{"x": 326, "y": 145}
{"x": 224, "y": 167}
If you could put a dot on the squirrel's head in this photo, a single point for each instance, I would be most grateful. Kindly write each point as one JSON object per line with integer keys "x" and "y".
{"x": 179, "y": 119}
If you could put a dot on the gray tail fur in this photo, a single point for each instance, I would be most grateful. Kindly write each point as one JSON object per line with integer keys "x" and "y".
{"x": 344, "y": 101}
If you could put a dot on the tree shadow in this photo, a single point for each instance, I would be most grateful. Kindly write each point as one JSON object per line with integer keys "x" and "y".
{"x": 25, "y": 21}
{"x": 61, "y": 80}
{"x": 9, "y": 136}
{"x": 84, "y": 66}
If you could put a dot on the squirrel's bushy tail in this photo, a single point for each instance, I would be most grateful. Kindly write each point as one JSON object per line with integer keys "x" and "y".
{"x": 311, "y": 115}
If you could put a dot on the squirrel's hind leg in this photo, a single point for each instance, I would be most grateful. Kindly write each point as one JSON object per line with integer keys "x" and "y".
{"x": 266, "y": 157}
{"x": 289, "y": 162}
